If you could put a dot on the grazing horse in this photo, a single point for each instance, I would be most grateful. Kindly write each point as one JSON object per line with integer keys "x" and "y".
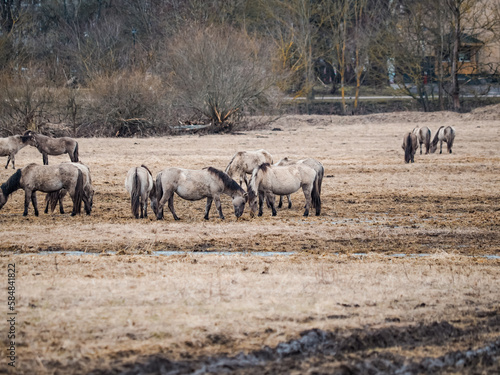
{"x": 53, "y": 146}
{"x": 51, "y": 199}
{"x": 410, "y": 145}
{"x": 268, "y": 180}
{"x": 244, "y": 162}
{"x": 424, "y": 137}
{"x": 140, "y": 185}
{"x": 10, "y": 146}
{"x": 314, "y": 164}
{"x": 443, "y": 135}
{"x": 45, "y": 178}
{"x": 194, "y": 185}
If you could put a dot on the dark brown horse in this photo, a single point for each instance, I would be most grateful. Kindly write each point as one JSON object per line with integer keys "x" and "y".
{"x": 53, "y": 146}
{"x": 410, "y": 145}
{"x": 443, "y": 135}
{"x": 45, "y": 178}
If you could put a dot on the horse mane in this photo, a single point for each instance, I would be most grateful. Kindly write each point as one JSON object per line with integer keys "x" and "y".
{"x": 264, "y": 166}
{"x": 12, "y": 184}
{"x": 228, "y": 181}
{"x": 231, "y": 162}
{"x": 436, "y": 136}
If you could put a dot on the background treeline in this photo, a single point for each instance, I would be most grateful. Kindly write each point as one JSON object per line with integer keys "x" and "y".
{"x": 139, "y": 67}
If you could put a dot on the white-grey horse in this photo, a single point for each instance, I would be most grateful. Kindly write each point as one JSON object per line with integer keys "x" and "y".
{"x": 45, "y": 178}
{"x": 268, "y": 180}
{"x": 424, "y": 138}
{"x": 140, "y": 185}
{"x": 444, "y": 134}
{"x": 314, "y": 164}
{"x": 10, "y": 146}
{"x": 52, "y": 146}
{"x": 244, "y": 162}
{"x": 55, "y": 197}
{"x": 194, "y": 185}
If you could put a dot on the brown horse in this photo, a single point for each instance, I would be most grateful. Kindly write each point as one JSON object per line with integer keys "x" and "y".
{"x": 53, "y": 146}
{"x": 45, "y": 178}
{"x": 140, "y": 185}
{"x": 443, "y": 135}
{"x": 194, "y": 185}
{"x": 51, "y": 199}
{"x": 10, "y": 146}
{"x": 410, "y": 145}
{"x": 424, "y": 137}
{"x": 244, "y": 162}
{"x": 268, "y": 180}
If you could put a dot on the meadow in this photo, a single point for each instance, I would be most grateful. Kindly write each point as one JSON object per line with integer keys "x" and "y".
{"x": 399, "y": 272}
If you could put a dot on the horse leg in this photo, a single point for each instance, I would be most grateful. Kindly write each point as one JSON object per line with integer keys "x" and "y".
{"x": 33, "y": 201}
{"x": 420, "y": 148}
{"x": 27, "y": 197}
{"x": 207, "y": 207}
{"x": 441, "y": 147}
{"x": 171, "y": 206}
{"x": 289, "y": 201}
{"x": 307, "y": 189}
{"x": 261, "y": 202}
{"x": 280, "y": 203}
{"x": 145, "y": 200}
{"x": 45, "y": 158}
{"x": 60, "y": 199}
{"x": 271, "y": 200}
{"x": 218, "y": 205}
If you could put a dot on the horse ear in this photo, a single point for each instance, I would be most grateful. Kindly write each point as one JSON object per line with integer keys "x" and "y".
{"x": 246, "y": 197}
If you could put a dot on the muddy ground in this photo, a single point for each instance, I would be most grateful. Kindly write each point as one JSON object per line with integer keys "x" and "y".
{"x": 345, "y": 299}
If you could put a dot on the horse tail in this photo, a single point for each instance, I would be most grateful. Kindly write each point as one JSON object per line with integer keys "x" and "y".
{"x": 159, "y": 188}
{"x": 74, "y": 159}
{"x": 78, "y": 198}
{"x": 135, "y": 200}
{"x": 320, "y": 176}
{"x": 252, "y": 188}
{"x": 315, "y": 195}
{"x": 51, "y": 200}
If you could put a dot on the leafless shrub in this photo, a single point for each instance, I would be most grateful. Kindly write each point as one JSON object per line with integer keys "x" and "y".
{"x": 25, "y": 97}
{"x": 219, "y": 74}
{"x": 125, "y": 104}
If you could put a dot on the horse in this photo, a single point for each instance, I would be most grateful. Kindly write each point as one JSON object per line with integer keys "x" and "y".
{"x": 410, "y": 145}
{"x": 424, "y": 137}
{"x": 53, "y": 146}
{"x": 244, "y": 162}
{"x": 10, "y": 146}
{"x": 51, "y": 199}
{"x": 33, "y": 178}
{"x": 140, "y": 185}
{"x": 314, "y": 164}
{"x": 268, "y": 180}
{"x": 443, "y": 135}
{"x": 194, "y": 185}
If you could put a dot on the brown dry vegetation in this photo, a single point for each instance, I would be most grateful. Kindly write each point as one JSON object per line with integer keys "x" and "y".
{"x": 112, "y": 313}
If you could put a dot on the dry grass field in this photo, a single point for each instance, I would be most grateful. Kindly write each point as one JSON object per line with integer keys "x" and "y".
{"x": 400, "y": 272}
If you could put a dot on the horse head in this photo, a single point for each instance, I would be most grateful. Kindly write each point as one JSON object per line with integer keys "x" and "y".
{"x": 30, "y": 137}
{"x": 239, "y": 204}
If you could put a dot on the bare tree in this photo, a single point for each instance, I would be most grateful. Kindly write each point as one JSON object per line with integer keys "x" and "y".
{"x": 219, "y": 73}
